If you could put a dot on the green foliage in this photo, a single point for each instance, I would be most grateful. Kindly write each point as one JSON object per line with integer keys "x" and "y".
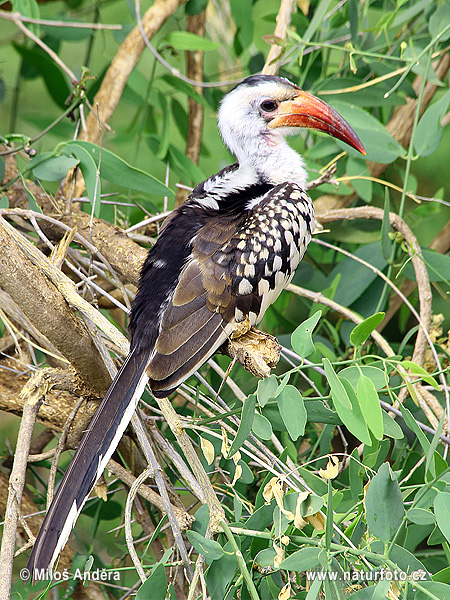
{"x": 339, "y": 389}
{"x": 384, "y": 504}
{"x": 155, "y": 586}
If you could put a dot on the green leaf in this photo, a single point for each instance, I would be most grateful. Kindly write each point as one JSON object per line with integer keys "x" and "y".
{"x": 353, "y": 373}
{"x": 241, "y": 11}
{"x": 2, "y": 168}
{"x": 116, "y": 170}
{"x": 262, "y": 427}
{"x": 4, "y": 202}
{"x": 317, "y": 412}
{"x": 362, "y": 331}
{"x": 376, "y": 592}
{"x": 210, "y": 549}
{"x": 51, "y": 168}
{"x": 266, "y": 390}
{"x": 186, "y": 168}
{"x": 353, "y": 19}
{"x": 384, "y": 504}
{"x": 400, "y": 556}
{"x": 439, "y": 20}
{"x": 391, "y": 428}
{"x": 302, "y": 560}
{"x": 442, "y": 512}
{"x": 184, "y": 40}
{"x": 368, "y": 97}
{"x": 443, "y": 575}
{"x": 418, "y": 370}
{"x": 313, "y": 592}
{"x": 412, "y": 424}
{"x": 370, "y": 406}
{"x": 195, "y": 7}
{"x": 245, "y": 426}
{"x": 421, "y": 516}
{"x": 156, "y": 585}
{"x": 363, "y": 187}
{"x": 30, "y": 9}
{"x": 88, "y": 168}
{"x": 429, "y": 131}
{"x": 293, "y": 411}
{"x": 32, "y": 204}
{"x": 69, "y": 34}
{"x": 421, "y": 66}
{"x": 438, "y": 266}
{"x": 301, "y": 338}
{"x": 338, "y": 393}
{"x": 317, "y": 20}
{"x": 164, "y": 138}
{"x": 434, "y": 589}
{"x": 356, "y": 277}
{"x": 431, "y": 455}
{"x": 265, "y": 558}
{"x": 52, "y": 75}
{"x": 185, "y": 88}
{"x": 353, "y": 418}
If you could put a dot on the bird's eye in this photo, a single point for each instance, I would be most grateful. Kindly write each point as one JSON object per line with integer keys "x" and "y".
{"x": 268, "y": 106}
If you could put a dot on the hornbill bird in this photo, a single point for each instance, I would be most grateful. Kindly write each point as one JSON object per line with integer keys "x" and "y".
{"x": 221, "y": 258}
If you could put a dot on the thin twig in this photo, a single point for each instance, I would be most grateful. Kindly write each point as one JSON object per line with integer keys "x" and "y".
{"x": 149, "y": 472}
{"x": 58, "y": 450}
{"x": 145, "y": 445}
{"x": 71, "y": 24}
{"x": 172, "y": 70}
{"x": 283, "y": 20}
{"x": 16, "y": 485}
{"x": 16, "y": 18}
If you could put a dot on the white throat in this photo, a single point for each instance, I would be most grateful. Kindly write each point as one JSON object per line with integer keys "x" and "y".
{"x": 274, "y": 160}
{"x": 258, "y": 149}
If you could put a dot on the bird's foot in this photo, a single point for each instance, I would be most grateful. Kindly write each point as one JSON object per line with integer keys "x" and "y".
{"x": 240, "y": 328}
{"x": 257, "y": 351}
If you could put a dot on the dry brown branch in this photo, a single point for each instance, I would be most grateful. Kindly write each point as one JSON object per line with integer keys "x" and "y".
{"x": 123, "y": 254}
{"x": 126, "y": 58}
{"x": 399, "y": 126}
{"x": 14, "y": 313}
{"x": 46, "y": 308}
{"x": 15, "y": 489}
{"x": 58, "y": 404}
{"x": 272, "y": 65}
{"x": 194, "y": 67}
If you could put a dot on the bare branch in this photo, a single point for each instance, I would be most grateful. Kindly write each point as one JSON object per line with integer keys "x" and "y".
{"x": 17, "y": 20}
{"x": 16, "y": 484}
{"x": 272, "y": 65}
{"x": 46, "y": 308}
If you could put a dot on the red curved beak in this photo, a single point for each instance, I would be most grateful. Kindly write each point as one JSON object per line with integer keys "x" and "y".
{"x": 312, "y": 113}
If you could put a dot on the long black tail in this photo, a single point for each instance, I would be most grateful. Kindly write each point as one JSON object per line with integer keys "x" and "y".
{"x": 94, "y": 451}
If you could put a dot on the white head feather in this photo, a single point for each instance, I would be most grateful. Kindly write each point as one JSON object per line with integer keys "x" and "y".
{"x": 244, "y": 128}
